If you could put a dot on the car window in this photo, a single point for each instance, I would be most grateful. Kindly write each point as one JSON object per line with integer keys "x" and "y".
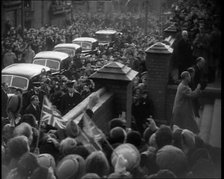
{"x": 70, "y": 52}
{"x": 15, "y": 81}
{"x": 7, "y": 79}
{"x": 84, "y": 45}
{"x": 53, "y": 64}
{"x": 20, "y": 82}
{"x": 78, "y": 43}
{"x": 103, "y": 37}
{"x": 39, "y": 61}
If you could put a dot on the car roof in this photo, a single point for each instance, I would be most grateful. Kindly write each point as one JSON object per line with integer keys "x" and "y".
{"x": 67, "y": 45}
{"x": 106, "y": 31}
{"x": 88, "y": 39}
{"x": 52, "y": 55}
{"x": 27, "y": 70}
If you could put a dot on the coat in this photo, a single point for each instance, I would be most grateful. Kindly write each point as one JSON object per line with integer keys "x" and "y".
{"x": 31, "y": 110}
{"x": 183, "y": 112}
{"x": 67, "y": 102}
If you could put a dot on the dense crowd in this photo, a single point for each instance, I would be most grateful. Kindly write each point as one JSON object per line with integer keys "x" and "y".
{"x": 34, "y": 150}
{"x": 202, "y": 21}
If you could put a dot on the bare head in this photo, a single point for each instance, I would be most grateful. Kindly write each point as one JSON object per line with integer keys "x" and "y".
{"x": 185, "y": 76}
{"x": 184, "y": 34}
{"x": 200, "y": 62}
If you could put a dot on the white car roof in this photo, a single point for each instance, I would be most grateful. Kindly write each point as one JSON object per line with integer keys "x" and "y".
{"x": 106, "y": 31}
{"x": 52, "y": 55}
{"x": 67, "y": 45}
{"x": 88, "y": 39}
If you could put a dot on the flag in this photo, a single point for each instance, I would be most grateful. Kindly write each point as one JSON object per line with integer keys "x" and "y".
{"x": 51, "y": 116}
{"x": 90, "y": 128}
{"x": 90, "y": 131}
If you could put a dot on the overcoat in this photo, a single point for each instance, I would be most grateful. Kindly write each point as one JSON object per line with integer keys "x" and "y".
{"x": 183, "y": 113}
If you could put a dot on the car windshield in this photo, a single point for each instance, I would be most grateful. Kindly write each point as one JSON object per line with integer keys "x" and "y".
{"x": 84, "y": 45}
{"x": 15, "y": 81}
{"x": 104, "y": 37}
{"x": 52, "y": 64}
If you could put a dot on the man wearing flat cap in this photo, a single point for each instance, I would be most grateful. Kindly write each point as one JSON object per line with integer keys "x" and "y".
{"x": 71, "y": 98}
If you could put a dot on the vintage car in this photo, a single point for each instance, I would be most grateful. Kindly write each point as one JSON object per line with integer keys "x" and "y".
{"x": 70, "y": 48}
{"x": 56, "y": 61}
{"x": 22, "y": 75}
{"x": 106, "y": 37}
{"x": 89, "y": 45}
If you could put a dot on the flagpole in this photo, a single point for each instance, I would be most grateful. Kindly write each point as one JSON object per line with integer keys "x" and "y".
{"x": 39, "y": 128}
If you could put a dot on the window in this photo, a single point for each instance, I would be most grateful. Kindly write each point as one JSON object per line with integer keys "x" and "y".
{"x": 53, "y": 64}
{"x": 20, "y": 82}
{"x": 7, "y": 79}
{"x": 15, "y": 81}
{"x": 39, "y": 61}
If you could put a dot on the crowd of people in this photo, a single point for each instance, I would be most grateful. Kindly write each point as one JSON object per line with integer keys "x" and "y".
{"x": 159, "y": 152}
{"x": 34, "y": 150}
{"x": 201, "y": 22}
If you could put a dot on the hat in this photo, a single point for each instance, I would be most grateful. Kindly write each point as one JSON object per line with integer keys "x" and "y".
{"x": 71, "y": 166}
{"x": 97, "y": 163}
{"x": 72, "y": 129}
{"x": 188, "y": 138}
{"x": 90, "y": 176}
{"x": 119, "y": 175}
{"x": 147, "y": 134}
{"x": 117, "y": 122}
{"x": 172, "y": 158}
{"x": 81, "y": 150}
{"x": 67, "y": 145}
{"x": 46, "y": 160}
{"x": 129, "y": 152}
{"x": 117, "y": 135}
{"x": 163, "y": 136}
{"x": 177, "y": 138}
{"x": 163, "y": 174}
{"x": 134, "y": 137}
{"x": 152, "y": 140}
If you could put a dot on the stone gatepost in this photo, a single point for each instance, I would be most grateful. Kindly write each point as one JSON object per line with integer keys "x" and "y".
{"x": 158, "y": 58}
{"x": 117, "y": 78}
{"x": 170, "y": 31}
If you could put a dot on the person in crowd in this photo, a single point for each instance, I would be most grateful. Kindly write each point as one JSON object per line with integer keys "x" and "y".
{"x": 198, "y": 76}
{"x": 183, "y": 53}
{"x": 9, "y": 57}
{"x": 4, "y": 100}
{"x": 14, "y": 106}
{"x": 70, "y": 99}
{"x": 183, "y": 113}
{"x": 28, "y": 54}
{"x": 142, "y": 108}
{"x": 34, "y": 107}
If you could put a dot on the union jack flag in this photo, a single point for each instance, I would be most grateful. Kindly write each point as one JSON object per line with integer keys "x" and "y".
{"x": 51, "y": 116}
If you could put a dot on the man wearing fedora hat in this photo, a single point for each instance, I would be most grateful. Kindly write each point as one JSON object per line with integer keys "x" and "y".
{"x": 71, "y": 98}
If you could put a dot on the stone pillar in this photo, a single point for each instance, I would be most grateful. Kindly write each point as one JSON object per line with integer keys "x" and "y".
{"x": 158, "y": 63}
{"x": 117, "y": 78}
{"x": 170, "y": 31}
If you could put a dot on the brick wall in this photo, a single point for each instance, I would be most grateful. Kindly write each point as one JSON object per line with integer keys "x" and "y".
{"x": 122, "y": 95}
{"x": 158, "y": 72}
